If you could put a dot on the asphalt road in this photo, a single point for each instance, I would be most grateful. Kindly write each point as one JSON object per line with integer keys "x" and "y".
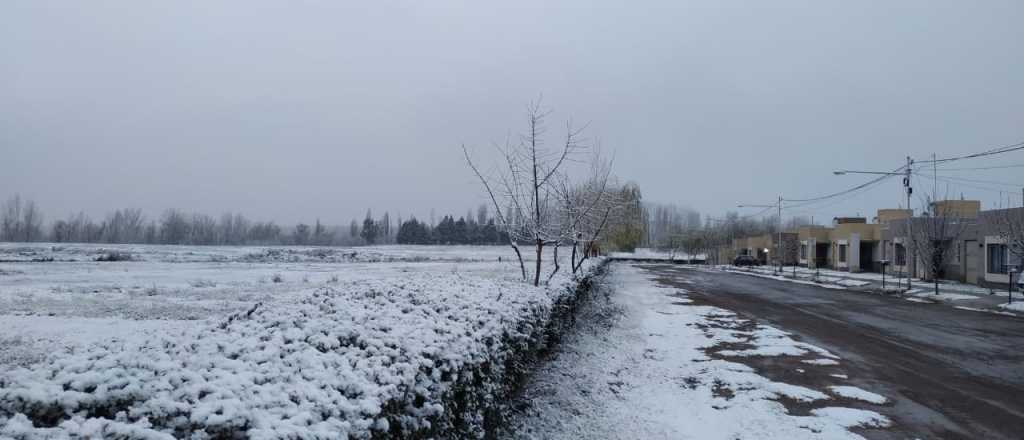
{"x": 951, "y": 374}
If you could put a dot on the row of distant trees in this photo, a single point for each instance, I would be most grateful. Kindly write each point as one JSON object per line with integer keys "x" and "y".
{"x": 680, "y": 229}
{"x": 21, "y": 220}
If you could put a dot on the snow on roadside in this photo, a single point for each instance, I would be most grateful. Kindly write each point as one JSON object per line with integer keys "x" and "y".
{"x": 852, "y": 417}
{"x": 424, "y": 354}
{"x": 942, "y": 296}
{"x": 645, "y": 370}
{"x": 783, "y": 278}
{"x": 859, "y": 394}
{"x": 1017, "y": 306}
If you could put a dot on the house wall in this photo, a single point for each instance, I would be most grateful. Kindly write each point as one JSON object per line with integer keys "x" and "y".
{"x": 887, "y": 215}
{"x": 958, "y": 208}
{"x": 955, "y": 267}
{"x": 756, "y": 246}
{"x": 846, "y": 239}
{"x": 989, "y": 233}
{"x": 810, "y": 237}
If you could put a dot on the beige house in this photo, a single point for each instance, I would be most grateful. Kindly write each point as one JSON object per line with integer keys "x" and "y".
{"x": 814, "y": 246}
{"x": 855, "y": 245}
{"x": 966, "y": 262}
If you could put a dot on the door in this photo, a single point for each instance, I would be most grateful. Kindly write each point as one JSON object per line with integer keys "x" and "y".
{"x": 973, "y": 262}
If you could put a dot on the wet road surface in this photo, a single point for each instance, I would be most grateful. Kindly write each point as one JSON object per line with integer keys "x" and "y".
{"x": 952, "y": 374}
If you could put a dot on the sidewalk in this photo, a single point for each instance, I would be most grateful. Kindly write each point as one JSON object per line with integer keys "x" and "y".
{"x": 954, "y": 294}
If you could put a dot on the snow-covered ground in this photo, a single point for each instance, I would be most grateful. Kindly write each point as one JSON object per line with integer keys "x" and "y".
{"x": 272, "y": 342}
{"x": 648, "y": 363}
{"x": 169, "y": 286}
{"x": 1017, "y": 305}
{"x": 654, "y": 254}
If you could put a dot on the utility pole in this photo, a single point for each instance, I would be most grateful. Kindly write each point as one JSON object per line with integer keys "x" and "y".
{"x": 779, "y": 246}
{"x": 912, "y": 257}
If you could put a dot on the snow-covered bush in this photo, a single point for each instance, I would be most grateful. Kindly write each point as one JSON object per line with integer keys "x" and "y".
{"x": 431, "y": 355}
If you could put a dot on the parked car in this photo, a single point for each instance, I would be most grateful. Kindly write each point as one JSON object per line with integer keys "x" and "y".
{"x": 746, "y": 260}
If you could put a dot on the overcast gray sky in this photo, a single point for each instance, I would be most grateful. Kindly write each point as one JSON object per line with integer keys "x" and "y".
{"x": 290, "y": 110}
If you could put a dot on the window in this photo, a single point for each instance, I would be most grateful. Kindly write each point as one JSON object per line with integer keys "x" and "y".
{"x": 997, "y": 258}
{"x": 803, "y": 252}
{"x": 901, "y": 255}
{"x": 842, "y": 253}
{"x": 956, "y": 252}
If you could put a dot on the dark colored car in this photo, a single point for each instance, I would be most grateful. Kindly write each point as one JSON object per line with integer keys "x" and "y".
{"x": 746, "y": 260}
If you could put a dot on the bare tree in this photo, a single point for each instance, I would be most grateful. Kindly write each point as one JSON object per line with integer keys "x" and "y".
{"x": 526, "y": 182}
{"x": 32, "y": 222}
{"x": 1009, "y": 224}
{"x": 790, "y": 251}
{"x": 20, "y": 220}
{"x": 584, "y": 208}
{"x": 10, "y": 219}
{"x": 935, "y": 236}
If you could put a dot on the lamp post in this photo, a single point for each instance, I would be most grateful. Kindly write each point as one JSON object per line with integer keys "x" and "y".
{"x": 1009, "y": 288}
{"x": 884, "y": 263}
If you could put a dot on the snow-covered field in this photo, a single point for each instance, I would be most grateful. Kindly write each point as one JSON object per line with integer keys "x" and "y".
{"x": 271, "y": 342}
{"x": 649, "y": 363}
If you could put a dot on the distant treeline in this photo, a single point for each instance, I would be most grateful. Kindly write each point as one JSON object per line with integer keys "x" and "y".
{"x": 22, "y": 221}
{"x": 451, "y": 231}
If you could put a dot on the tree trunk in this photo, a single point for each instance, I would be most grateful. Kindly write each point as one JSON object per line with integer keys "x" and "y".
{"x": 540, "y": 252}
{"x": 557, "y": 267}
{"x": 519, "y": 256}
{"x": 572, "y": 261}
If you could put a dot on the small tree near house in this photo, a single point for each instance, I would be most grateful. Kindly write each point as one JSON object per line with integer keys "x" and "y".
{"x": 1009, "y": 224}
{"x": 935, "y": 237}
{"x": 791, "y": 252}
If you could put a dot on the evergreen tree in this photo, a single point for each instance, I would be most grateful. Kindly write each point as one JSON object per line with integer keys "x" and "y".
{"x": 370, "y": 229}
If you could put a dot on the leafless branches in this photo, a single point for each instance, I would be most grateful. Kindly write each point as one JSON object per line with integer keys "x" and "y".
{"x": 935, "y": 237}
{"x": 535, "y": 198}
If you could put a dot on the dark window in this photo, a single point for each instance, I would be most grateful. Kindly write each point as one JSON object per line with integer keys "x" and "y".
{"x": 803, "y": 252}
{"x": 997, "y": 258}
{"x": 842, "y": 253}
{"x": 901, "y": 255}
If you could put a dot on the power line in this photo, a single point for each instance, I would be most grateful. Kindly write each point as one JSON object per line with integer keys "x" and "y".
{"x": 855, "y": 188}
{"x": 994, "y": 151}
{"x": 991, "y": 182}
{"x": 998, "y": 150}
{"x": 968, "y": 185}
{"x": 811, "y": 201}
{"x": 994, "y": 167}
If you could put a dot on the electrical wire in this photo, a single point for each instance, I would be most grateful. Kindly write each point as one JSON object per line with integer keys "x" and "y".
{"x": 994, "y": 151}
{"x": 855, "y": 188}
{"x": 858, "y": 189}
{"x": 949, "y": 180}
{"x": 995, "y": 167}
{"x": 990, "y": 182}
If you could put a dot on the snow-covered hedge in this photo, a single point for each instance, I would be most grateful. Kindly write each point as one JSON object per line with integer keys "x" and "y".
{"x": 427, "y": 356}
